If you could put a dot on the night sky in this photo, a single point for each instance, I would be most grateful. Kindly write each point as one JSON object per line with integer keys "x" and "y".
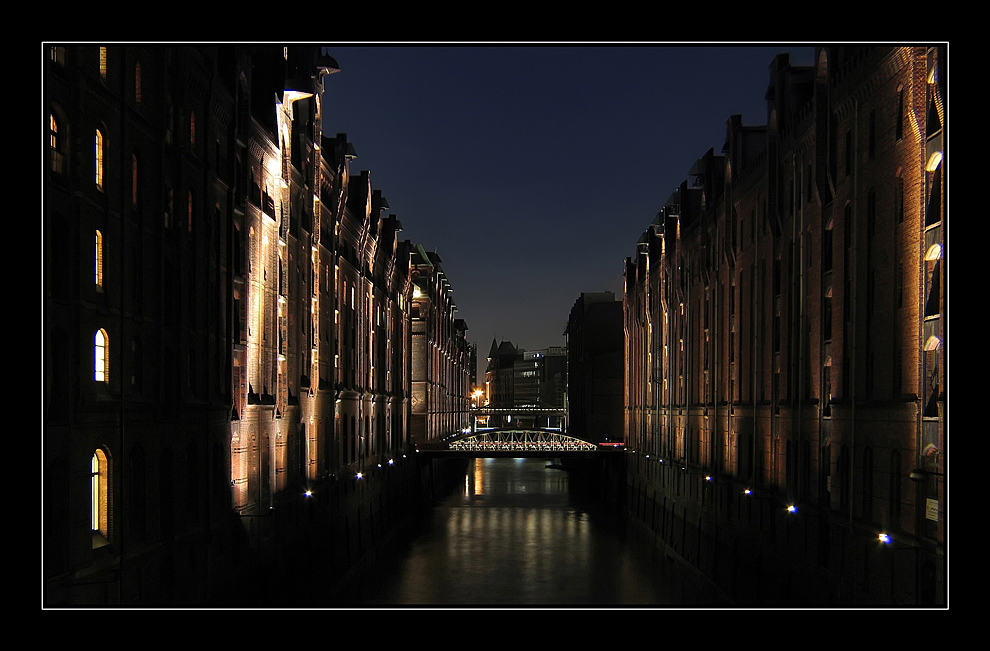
{"x": 533, "y": 170}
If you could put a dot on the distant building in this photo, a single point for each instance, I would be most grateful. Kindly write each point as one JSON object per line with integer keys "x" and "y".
{"x": 500, "y": 375}
{"x": 517, "y": 379}
{"x": 595, "y": 368}
{"x": 441, "y": 355}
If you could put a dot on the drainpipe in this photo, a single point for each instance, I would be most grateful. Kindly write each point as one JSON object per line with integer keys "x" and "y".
{"x": 754, "y": 351}
{"x": 853, "y": 300}
{"x": 714, "y": 430}
{"x": 799, "y": 210}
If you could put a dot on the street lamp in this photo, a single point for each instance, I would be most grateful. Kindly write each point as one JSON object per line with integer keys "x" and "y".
{"x": 789, "y": 507}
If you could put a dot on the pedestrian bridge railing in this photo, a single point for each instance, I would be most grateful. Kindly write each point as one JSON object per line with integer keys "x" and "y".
{"x": 514, "y": 442}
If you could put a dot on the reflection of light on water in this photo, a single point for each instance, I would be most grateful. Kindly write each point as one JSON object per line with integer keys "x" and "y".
{"x": 514, "y": 548}
{"x": 479, "y": 478}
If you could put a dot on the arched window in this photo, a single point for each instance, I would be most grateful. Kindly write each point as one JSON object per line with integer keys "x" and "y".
{"x": 169, "y": 117}
{"x": 98, "y": 156}
{"x": 98, "y": 261}
{"x": 134, "y": 180}
{"x": 169, "y": 198}
{"x": 899, "y": 198}
{"x": 899, "y": 124}
{"x": 101, "y": 356}
{"x": 844, "y": 487}
{"x": 137, "y": 367}
{"x": 895, "y": 489}
{"x": 56, "y": 140}
{"x": 868, "y": 484}
{"x": 99, "y": 509}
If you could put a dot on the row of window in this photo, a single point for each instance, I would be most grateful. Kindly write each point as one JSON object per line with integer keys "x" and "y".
{"x": 58, "y": 166}
{"x": 57, "y": 55}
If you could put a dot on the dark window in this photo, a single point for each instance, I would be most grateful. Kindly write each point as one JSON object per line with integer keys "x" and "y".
{"x": 868, "y": 485}
{"x": 849, "y": 153}
{"x": 895, "y": 489}
{"x": 872, "y": 146}
{"x": 899, "y": 125}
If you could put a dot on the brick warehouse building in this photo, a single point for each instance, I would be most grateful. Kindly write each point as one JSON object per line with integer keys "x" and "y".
{"x": 785, "y": 319}
{"x": 228, "y": 318}
{"x": 441, "y": 356}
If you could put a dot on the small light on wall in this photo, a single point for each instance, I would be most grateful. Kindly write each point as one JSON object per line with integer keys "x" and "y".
{"x": 391, "y": 462}
{"x": 747, "y": 491}
{"x": 884, "y": 538}
{"x": 308, "y": 493}
{"x": 709, "y": 478}
{"x": 360, "y": 475}
{"x": 791, "y": 508}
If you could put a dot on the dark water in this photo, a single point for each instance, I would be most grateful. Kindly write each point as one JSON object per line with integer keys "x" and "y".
{"x": 514, "y": 536}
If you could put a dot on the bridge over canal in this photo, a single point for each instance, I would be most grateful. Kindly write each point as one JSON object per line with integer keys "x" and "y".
{"x": 517, "y": 441}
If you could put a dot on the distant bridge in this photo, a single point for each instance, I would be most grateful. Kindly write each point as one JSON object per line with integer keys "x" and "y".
{"x": 507, "y": 442}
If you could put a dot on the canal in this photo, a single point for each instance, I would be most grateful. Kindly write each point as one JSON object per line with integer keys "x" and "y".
{"x": 516, "y": 534}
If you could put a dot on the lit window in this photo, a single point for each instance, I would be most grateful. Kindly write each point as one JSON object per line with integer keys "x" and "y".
{"x": 98, "y": 259}
{"x": 99, "y": 498}
{"x": 934, "y": 253}
{"x": 55, "y": 145}
{"x": 101, "y": 356}
{"x": 933, "y": 161}
{"x": 103, "y": 62}
{"x": 99, "y": 159}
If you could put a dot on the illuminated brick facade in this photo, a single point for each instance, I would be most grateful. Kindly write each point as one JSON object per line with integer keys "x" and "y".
{"x": 228, "y": 323}
{"x": 441, "y": 356}
{"x": 784, "y": 324}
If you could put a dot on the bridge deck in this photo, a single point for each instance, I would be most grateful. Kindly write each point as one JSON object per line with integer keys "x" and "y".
{"x": 515, "y": 443}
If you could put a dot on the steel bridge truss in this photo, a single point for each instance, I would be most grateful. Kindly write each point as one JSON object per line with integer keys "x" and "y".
{"x": 521, "y": 440}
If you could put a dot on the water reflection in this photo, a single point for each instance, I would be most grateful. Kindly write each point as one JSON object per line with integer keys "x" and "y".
{"x": 513, "y": 536}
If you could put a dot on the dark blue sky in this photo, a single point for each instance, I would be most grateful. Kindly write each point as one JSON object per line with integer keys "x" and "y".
{"x": 533, "y": 170}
